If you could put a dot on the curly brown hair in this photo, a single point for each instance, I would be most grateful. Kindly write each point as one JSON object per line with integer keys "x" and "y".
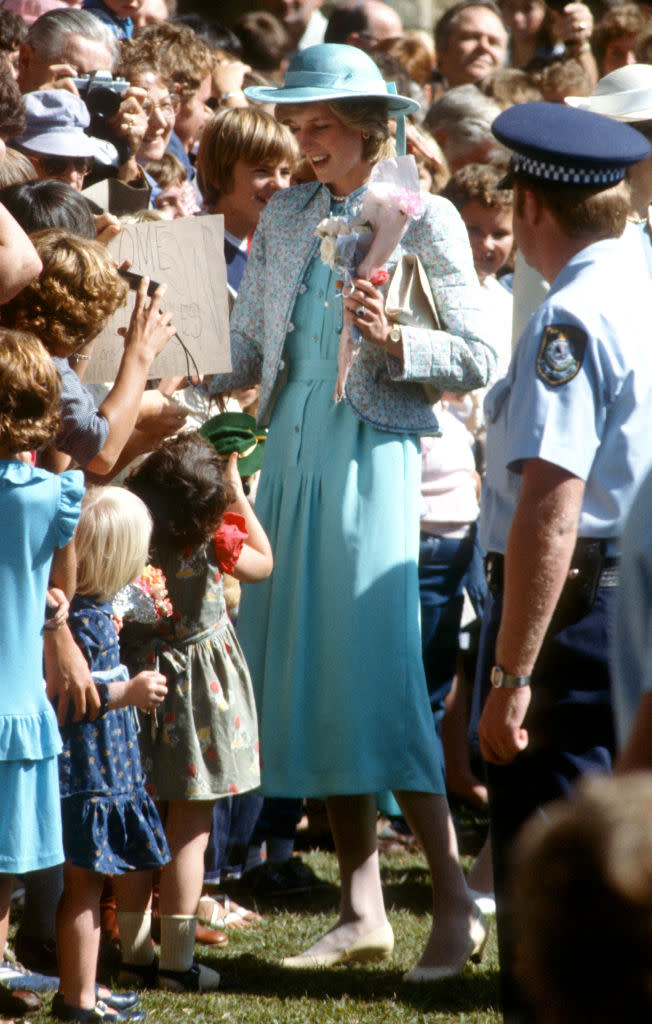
{"x": 30, "y": 392}
{"x": 478, "y": 182}
{"x": 77, "y": 291}
{"x": 175, "y": 52}
{"x": 183, "y": 485}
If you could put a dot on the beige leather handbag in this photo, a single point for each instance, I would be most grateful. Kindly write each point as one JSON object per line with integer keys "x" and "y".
{"x": 410, "y": 303}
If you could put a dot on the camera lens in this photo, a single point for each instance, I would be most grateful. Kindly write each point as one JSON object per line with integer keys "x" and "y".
{"x": 102, "y": 101}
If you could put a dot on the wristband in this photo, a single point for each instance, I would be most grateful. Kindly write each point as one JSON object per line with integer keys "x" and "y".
{"x": 505, "y": 680}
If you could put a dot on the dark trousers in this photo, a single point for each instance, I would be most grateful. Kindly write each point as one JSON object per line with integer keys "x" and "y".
{"x": 234, "y": 820}
{"x": 447, "y": 566}
{"x": 571, "y": 734}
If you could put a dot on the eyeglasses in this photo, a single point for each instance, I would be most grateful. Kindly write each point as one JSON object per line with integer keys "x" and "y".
{"x": 167, "y": 107}
{"x": 56, "y": 165}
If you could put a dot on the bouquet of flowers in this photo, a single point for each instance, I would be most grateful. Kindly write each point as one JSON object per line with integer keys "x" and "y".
{"x": 359, "y": 246}
{"x": 144, "y": 600}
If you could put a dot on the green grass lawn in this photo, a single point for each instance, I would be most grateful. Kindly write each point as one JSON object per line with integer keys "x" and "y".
{"x": 254, "y": 989}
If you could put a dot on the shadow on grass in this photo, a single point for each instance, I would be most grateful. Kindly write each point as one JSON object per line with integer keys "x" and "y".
{"x": 476, "y": 990}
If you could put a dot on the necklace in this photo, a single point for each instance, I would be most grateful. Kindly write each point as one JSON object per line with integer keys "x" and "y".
{"x": 338, "y": 199}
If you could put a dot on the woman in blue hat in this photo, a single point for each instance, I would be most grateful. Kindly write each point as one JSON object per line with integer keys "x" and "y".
{"x": 333, "y": 637}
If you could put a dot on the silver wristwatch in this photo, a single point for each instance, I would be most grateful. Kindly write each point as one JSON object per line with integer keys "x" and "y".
{"x": 506, "y": 681}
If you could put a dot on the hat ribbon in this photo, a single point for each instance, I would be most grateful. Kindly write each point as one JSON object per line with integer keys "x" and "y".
{"x": 328, "y": 80}
{"x": 400, "y": 123}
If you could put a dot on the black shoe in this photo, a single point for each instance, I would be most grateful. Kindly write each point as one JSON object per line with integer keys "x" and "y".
{"x": 292, "y": 877}
{"x": 100, "y": 1012}
{"x": 120, "y": 1001}
{"x": 139, "y": 975}
{"x": 36, "y": 954}
{"x": 18, "y": 1001}
{"x": 197, "y": 978}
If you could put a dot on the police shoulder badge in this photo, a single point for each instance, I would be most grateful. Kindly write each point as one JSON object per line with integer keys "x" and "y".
{"x": 561, "y": 353}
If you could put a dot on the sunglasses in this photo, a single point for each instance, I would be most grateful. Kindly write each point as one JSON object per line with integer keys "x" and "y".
{"x": 56, "y": 165}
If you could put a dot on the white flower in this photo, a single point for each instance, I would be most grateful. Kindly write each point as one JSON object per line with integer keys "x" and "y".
{"x": 328, "y": 251}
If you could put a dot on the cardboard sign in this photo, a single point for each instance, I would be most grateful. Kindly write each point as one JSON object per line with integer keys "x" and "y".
{"x": 187, "y": 255}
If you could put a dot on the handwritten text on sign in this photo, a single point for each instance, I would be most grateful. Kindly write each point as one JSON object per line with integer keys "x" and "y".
{"x": 188, "y": 256}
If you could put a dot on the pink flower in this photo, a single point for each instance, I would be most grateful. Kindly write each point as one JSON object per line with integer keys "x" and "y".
{"x": 380, "y": 277}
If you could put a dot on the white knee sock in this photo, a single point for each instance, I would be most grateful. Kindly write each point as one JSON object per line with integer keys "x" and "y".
{"x": 177, "y": 941}
{"x": 136, "y": 937}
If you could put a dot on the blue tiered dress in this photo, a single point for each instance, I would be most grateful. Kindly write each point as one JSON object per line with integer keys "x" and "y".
{"x": 110, "y": 823}
{"x": 332, "y": 637}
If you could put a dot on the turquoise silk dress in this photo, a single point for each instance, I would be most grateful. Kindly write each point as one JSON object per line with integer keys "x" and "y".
{"x": 332, "y": 637}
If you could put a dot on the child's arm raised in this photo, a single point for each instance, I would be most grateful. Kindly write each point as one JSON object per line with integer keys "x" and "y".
{"x": 145, "y": 691}
{"x": 256, "y": 560}
{"x": 148, "y": 333}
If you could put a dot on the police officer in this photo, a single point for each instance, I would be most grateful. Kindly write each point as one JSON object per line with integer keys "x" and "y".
{"x": 568, "y": 434}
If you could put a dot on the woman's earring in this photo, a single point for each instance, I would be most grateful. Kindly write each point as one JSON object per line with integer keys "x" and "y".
{"x": 366, "y": 135}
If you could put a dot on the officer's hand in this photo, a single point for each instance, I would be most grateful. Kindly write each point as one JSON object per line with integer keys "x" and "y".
{"x": 501, "y": 731}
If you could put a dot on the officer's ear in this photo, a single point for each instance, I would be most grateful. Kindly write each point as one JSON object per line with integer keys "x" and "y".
{"x": 527, "y": 203}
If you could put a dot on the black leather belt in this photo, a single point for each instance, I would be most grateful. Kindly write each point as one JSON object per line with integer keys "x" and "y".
{"x": 585, "y": 548}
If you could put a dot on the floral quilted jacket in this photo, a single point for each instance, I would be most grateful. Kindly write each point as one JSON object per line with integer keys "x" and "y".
{"x": 380, "y": 389}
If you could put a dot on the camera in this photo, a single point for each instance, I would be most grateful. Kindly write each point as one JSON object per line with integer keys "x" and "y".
{"x": 101, "y": 93}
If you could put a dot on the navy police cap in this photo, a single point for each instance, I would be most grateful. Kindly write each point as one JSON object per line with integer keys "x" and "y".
{"x": 563, "y": 145}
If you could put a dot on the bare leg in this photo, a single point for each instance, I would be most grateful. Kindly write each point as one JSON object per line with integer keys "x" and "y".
{"x": 481, "y": 875}
{"x": 78, "y": 934}
{"x": 6, "y": 887}
{"x": 460, "y": 779}
{"x": 362, "y": 910}
{"x": 428, "y": 816}
{"x": 133, "y": 891}
{"x": 187, "y": 828}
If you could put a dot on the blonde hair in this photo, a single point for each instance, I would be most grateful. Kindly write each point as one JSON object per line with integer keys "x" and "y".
{"x": 368, "y": 116}
{"x": 73, "y": 297}
{"x": 241, "y": 133}
{"x": 16, "y": 168}
{"x": 30, "y": 392}
{"x": 111, "y": 541}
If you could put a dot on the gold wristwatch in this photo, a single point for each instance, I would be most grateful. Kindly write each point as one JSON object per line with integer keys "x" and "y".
{"x": 396, "y": 335}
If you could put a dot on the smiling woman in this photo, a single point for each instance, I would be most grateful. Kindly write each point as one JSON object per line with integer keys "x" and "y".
{"x": 332, "y": 638}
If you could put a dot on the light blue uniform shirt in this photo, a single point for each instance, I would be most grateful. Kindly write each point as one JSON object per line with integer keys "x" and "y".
{"x": 631, "y": 637}
{"x": 578, "y": 392}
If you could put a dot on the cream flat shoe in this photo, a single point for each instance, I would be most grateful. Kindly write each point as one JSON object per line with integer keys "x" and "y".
{"x": 375, "y": 945}
{"x": 478, "y": 934}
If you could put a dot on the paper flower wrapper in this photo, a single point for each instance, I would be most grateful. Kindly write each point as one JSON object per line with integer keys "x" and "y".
{"x": 145, "y": 600}
{"x": 360, "y": 246}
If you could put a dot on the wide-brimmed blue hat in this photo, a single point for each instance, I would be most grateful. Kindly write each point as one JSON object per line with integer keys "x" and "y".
{"x": 332, "y": 71}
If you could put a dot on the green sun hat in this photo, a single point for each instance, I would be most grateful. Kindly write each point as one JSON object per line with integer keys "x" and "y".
{"x": 237, "y": 432}
{"x": 332, "y": 71}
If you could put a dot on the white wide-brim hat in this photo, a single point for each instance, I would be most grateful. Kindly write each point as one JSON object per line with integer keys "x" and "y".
{"x": 624, "y": 94}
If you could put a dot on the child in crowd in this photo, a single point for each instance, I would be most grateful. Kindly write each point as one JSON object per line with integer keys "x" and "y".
{"x": 39, "y": 513}
{"x": 176, "y": 196}
{"x": 110, "y": 824}
{"x": 486, "y": 211}
{"x": 67, "y": 306}
{"x": 204, "y": 744}
{"x": 582, "y": 880}
{"x": 244, "y": 157}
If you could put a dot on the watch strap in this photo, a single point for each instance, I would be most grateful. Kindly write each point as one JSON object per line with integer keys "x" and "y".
{"x": 506, "y": 681}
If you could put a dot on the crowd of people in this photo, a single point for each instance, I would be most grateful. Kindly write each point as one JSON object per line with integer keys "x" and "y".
{"x": 424, "y": 497}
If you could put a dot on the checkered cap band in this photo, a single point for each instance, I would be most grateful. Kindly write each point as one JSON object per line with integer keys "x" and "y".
{"x": 567, "y": 175}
